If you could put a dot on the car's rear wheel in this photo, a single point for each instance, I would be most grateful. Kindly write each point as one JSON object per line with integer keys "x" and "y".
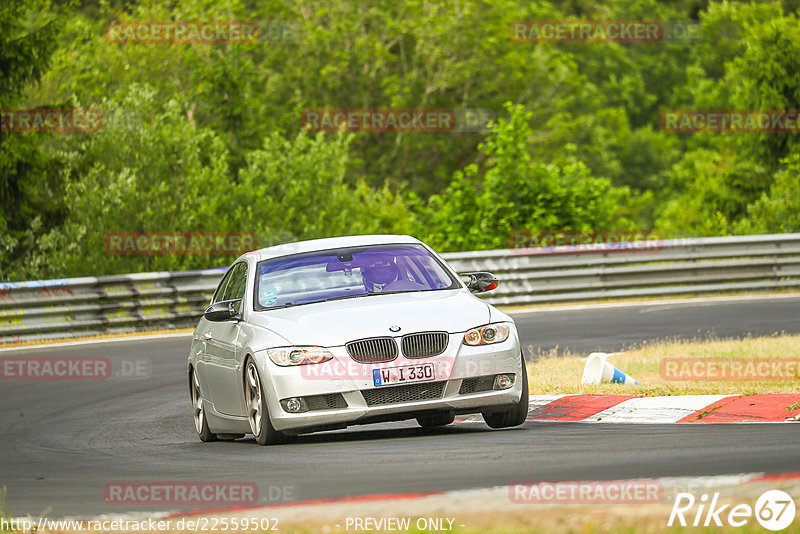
{"x": 435, "y": 420}
{"x": 517, "y": 414}
{"x": 257, "y": 411}
{"x": 200, "y": 421}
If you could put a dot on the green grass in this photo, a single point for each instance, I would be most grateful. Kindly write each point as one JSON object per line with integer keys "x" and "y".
{"x": 554, "y": 374}
{"x": 4, "y": 514}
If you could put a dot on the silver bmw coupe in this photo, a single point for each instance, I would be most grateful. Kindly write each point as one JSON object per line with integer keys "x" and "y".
{"x": 322, "y": 334}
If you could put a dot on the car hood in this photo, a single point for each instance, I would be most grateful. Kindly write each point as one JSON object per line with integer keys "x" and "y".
{"x": 334, "y": 323}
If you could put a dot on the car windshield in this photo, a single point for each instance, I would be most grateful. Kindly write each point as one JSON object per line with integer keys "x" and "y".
{"x": 348, "y": 272}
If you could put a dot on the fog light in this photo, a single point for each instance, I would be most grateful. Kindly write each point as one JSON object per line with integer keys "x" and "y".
{"x": 294, "y": 405}
{"x": 503, "y": 381}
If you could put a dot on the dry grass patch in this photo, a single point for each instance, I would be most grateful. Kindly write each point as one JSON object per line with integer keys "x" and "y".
{"x": 552, "y": 374}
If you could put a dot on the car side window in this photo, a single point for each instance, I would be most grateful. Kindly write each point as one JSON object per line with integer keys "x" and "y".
{"x": 237, "y": 285}
{"x": 221, "y": 287}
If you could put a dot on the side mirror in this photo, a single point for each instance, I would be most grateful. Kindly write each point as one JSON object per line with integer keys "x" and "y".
{"x": 480, "y": 282}
{"x": 223, "y": 310}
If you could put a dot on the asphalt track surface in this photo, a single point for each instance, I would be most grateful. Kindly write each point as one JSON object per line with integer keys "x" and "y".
{"x": 63, "y": 441}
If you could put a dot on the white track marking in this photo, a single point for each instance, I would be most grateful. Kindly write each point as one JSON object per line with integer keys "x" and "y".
{"x": 537, "y": 401}
{"x": 655, "y": 409}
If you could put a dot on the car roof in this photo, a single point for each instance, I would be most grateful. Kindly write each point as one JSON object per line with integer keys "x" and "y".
{"x": 313, "y": 245}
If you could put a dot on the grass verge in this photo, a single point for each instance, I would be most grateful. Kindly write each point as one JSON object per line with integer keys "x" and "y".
{"x": 552, "y": 374}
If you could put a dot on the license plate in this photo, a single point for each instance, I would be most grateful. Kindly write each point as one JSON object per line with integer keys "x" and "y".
{"x": 400, "y": 375}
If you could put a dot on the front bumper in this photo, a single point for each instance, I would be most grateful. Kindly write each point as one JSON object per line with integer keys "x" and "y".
{"x": 354, "y": 383}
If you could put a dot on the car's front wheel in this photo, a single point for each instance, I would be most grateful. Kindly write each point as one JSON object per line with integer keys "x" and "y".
{"x": 257, "y": 411}
{"x": 200, "y": 421}
{"x": 517, "y": 414}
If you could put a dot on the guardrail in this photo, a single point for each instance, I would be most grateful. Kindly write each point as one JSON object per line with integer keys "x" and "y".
{"x": 123, "y": 303}
{"x": 659, "y": 268}
{"x": 70, "y": 307}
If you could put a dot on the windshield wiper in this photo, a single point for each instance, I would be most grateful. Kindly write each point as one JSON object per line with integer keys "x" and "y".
{"x": 377, "y": 293}
{"x": 353, "y": 296}
{"x": 286, "y": 305}
{"x": 342, "y": 297}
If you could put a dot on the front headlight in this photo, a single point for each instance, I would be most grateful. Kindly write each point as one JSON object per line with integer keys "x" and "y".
{"x": 289, "y": 356}
{"x": 487, "y": 334}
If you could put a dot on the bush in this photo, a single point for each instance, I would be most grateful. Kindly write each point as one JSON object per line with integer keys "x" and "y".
{"x": 518, "y": 194}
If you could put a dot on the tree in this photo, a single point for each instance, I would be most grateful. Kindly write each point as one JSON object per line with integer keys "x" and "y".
{"x": 746, "y": 61}
{"x": 518, "y": 194}
{"x": 300, "y": 187}
{"x": 777, "y": 211}
{"x": 149, "y": 169}
{"x": 29, "y": 196}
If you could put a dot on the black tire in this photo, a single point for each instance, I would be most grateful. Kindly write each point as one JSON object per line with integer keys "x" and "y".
{"x": 257, "y": 410}
{"x": 435, "y": 420}
{"x": 517, "y": 414}
{"x": 199, "y": 411}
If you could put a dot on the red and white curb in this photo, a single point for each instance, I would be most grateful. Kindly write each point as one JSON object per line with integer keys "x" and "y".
{"x": 767, "y": 408}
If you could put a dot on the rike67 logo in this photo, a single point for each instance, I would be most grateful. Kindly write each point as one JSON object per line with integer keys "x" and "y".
{"x": 774, "y": 510}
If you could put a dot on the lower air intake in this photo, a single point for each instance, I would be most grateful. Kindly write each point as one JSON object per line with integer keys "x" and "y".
{"x": 399, "y": 394}
{"x": 476, "y": 384}
{"x": 331, "y": 401}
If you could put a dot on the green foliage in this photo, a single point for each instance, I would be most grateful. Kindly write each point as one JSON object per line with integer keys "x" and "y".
{"x": 151, "y": 169}
{"x": 4, "y": 513}
{"x": 517, "y": 194}
{"x": 777, "y": 211}
{"x": 208, "y": 137}
{"x": 29, "y": 197}
{"x": 299, "y": 187}
{"x": 767, "y": 76}
{"x": 26, "y": 45}
{"x": 747, "y": 61}
{"x": 713, "y": 191}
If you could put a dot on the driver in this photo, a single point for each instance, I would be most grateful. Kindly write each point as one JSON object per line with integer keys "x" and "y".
{"x": 379, "y": 274}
